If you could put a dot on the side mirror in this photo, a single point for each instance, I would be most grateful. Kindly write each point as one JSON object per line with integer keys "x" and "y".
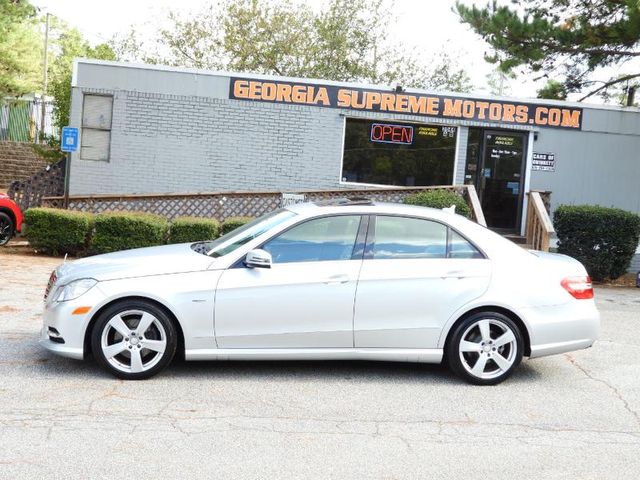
{"x": 258, "y": 259}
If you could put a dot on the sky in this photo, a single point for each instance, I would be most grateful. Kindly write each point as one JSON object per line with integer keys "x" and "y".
{"x": 425, "y": 26}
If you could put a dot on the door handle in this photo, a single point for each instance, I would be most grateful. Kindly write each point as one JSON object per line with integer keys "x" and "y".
{"x": 454, "y": 274}
{"x": 340, "y": 278}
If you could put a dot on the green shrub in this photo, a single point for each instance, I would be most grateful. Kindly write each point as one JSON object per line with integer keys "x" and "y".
{"x": 232, "y": 223}
{"x": 440, "y": 199}
{"x": 603, "y": 239}
{"x": 124, "y": 230}
{"x": 192, "y": 229}
{"x": 56, "y": 231}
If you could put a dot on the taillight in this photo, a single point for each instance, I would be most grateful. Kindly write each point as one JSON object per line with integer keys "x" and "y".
{"x": 578, "y": 287}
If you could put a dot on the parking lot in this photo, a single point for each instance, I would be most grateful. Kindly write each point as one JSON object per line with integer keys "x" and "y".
{"x": 568, "y": 416}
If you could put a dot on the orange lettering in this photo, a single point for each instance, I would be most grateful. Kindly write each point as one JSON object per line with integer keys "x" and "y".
{"x": 387, "y": 102}
{"x": 452, "y": 108}
{"x": 417, "y": 104}
{"x": 433, "y": 105}
{"x": 522, "y": 113}
{"x": 344, "y": 98}
{"x": 402, "y": 103}
{"x": 322, "y": 97}
{"x": 298, "y": 94}
{"x": 468, "y": 108}
{"x": 254, "y": 90}
{"x": 554, "y": 117}
{"x": 541, "y": 116}
{"x": 268, "y": 91}
{"x": 240, "y": 89}
{"x": 571, "y": 118}
{"x": 507, "y": 114}
{"x": 482, "y": 108}
{"x": 284, "y": 93}
{"x": 495, "y": 112}
{"x": 373, "y": 98}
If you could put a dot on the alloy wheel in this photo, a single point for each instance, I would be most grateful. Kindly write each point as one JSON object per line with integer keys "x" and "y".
{"x": 133, "y": 341}
{"x": 488, "y": 348}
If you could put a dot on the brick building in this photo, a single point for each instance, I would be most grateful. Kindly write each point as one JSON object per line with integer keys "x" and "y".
{"x": 154, "y": 129}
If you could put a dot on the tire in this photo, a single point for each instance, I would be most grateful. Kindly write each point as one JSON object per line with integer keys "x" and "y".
{"x": 485, "y": 348}
{"x": 139, "y": 356}
{"x": 7, "y": 228}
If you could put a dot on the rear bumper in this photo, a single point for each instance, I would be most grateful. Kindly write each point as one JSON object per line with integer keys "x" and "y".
{"x": 562, "y": 328}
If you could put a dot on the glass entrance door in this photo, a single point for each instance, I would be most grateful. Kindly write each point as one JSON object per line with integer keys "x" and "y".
{"x": 501, "y": 179}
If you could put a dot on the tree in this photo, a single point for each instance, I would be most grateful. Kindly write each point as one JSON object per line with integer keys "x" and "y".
{"x": 575, "y": 37}
{"x": 347, "y": 40}
{"x": 553, "y": 90}
{"x": 69, "y": 44}
{"x": 20, "y": 49}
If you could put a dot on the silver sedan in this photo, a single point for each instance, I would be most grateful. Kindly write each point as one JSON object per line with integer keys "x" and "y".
{"x": 346, "y": 279}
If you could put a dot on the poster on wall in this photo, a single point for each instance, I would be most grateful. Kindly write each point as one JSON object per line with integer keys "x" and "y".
{"x": 545, "y": 162}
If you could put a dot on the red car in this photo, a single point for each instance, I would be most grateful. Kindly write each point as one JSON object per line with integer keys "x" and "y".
{"x": 10, "y": 219}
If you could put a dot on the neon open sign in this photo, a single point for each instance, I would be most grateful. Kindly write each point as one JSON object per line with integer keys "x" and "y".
{"x": 385, "y": 133}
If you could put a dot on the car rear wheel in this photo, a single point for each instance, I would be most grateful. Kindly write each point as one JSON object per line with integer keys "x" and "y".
{"x": 485, "y": 348}
{"x": 134, "y": 339}
{"x": 6, "y": 228}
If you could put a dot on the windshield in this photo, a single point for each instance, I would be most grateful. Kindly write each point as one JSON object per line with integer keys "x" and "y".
{"x": 238, "y": 237}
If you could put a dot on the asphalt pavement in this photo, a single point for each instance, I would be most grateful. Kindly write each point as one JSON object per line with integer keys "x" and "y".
{"x": 574, "y": 416}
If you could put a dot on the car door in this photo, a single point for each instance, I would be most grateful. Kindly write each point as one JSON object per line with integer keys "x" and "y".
{"x": 415, "y": 275}
{"x": 306, "y": 298}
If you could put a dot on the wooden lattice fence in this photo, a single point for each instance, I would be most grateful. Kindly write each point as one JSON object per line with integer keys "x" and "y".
{"x": 223, "y": 205}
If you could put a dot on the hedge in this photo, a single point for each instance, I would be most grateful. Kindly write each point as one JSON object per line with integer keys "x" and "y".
{"x": 192, "y": 229}
{"x": 55, "y": 231}
{"x": 125, "y": 230}
{"x": 232, "y": 223}
{"x": 440, "y": 199}
{"x": 603, "y": 239}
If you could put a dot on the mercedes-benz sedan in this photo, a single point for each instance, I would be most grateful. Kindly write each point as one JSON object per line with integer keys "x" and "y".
{"x": 344, "y": 279}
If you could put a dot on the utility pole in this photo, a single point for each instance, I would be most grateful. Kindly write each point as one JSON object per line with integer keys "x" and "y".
{"x": 45, "y": 79}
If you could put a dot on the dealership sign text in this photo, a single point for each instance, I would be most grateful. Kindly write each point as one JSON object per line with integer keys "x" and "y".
{"x": 441, "y": 106}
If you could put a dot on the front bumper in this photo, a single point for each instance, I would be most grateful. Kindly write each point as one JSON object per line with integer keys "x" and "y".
{"x": 562, "y": 328}
{"x": 70, "y": 328}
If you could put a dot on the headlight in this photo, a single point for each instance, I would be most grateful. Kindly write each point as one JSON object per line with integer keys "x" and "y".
{"x": 75, "y": 289}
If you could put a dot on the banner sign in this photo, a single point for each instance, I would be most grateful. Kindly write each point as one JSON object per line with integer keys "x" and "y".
{"x": 440, "y": 106}
{"x": 544, "y": 161}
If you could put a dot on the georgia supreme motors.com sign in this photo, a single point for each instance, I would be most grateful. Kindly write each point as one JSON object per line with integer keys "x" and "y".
{"x": 442, "y": 106}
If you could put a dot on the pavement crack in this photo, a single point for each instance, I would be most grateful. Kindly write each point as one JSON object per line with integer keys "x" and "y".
{"x": 615, "y": 391}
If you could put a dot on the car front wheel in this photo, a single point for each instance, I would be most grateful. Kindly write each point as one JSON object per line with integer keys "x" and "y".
{"x": 485, "y": 348}
{"x": 6, "y": 228}
{"x": 134, "y": 339}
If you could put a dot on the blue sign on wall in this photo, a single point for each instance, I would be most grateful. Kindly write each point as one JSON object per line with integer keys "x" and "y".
{"x": 69, "y": 141}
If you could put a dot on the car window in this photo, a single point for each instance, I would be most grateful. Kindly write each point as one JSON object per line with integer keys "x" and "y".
{"x": 322, "y": 239}
{"x": 459, "y": 247}
{"x": 238, "y": 237}
{"x": 403, "y": 237}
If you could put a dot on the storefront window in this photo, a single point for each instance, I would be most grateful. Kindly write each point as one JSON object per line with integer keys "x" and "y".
{"x": 389, "y": 153}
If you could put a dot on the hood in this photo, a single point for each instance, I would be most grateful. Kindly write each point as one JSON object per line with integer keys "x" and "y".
{"x": 141, "y": 262}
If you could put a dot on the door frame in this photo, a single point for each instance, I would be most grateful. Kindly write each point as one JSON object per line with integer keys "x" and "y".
{"x": 523, "y": 171}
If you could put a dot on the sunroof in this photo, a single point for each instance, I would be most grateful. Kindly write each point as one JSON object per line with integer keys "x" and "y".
{"x": 344, "y": 201}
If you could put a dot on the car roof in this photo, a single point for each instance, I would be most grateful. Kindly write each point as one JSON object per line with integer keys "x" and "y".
{"x": 364, "y": 206}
